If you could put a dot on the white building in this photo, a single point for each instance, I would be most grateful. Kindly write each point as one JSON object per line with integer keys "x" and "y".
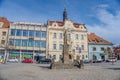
{"x": 76, "y": 39}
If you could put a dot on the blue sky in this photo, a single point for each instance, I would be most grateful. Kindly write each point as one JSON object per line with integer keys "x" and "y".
{"x": 100, "y": 16}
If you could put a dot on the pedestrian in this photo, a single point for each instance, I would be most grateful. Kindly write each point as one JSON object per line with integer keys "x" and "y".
{"x": 91, "y": 62}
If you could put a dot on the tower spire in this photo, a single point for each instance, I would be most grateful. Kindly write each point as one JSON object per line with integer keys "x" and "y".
{"x": 65, "y": 14}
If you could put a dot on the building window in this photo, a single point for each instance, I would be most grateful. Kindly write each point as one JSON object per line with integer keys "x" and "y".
{"x": 54, "y": 46}
{"x": 54, "y": 57}
{"x": 61, "y": 47}
{"x": 43, "y": 43}
{"x": 37, "y": 43}
{"x": 18, "y": 33}
{"x": 61, "y": 35}
{"x": 76, "y": 37}
{"x": 93, "y": 40}
{"x": 11, "y": 42}
{"x": 108, "y": 48}
{"x": 24, "y": 42}
{"x": 69, "y": 47}
{"x": 4, "y": 33}
{"x": 25, "y": 32}
{"x": 54, "y": 35}
{"x": 13, "y": 32}
{"x": 17, "y": 42}
{"x": 37, "y": 34}
{"x": 43, "y": 34}
{"x": 68, "y": 36}
{"x": 82, "y": 56}
{"x": 60, "y": 57}
{"x": 82, "y": 47}
{"x": 30, "y": 43}
{"x": 94, "y": 48}
{"x": 82, "y": 37}
{"x": 3, "y": 42}
{"x": 102, "y": 48}
{"x": 77, "y": 47}
{"x": 31, "y": 33}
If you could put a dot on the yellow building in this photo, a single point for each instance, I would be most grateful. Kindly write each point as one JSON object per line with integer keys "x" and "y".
{"x": 76, "y": 39}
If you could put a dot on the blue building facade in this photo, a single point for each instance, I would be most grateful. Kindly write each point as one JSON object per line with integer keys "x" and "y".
{"x": 98, "y": 52}
{"x": 99, "y": 49}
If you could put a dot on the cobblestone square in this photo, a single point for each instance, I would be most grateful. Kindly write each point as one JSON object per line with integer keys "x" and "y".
{"x": 96, "y": 71}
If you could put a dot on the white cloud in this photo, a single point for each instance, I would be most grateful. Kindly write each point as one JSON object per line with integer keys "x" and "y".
{"x": 103, "y": 6}
{"x": 111, "y": 30}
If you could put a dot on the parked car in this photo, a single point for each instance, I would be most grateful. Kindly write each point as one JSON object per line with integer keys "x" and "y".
{"x": 86, "y": 61}
{"x": 111, "y": 59}
{"x": 97, "y": 61}
{"x": 44, "y": 60}
{"x": 28, "y": 60}
{"x": 12, "y": 60}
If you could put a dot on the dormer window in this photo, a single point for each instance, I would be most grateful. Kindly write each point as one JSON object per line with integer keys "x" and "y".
{"x": 93, "y": 40}
{"x": 101, "y": 40}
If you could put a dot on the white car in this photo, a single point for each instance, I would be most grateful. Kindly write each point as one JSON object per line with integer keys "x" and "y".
{"x": 12, "y": 60}
{"x": 112, "y": 59}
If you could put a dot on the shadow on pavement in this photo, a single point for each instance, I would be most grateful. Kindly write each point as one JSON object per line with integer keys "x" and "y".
{"x": 46, "y": 66}
{"x": 114, "y": 68}
{"x": 1, "y": 78}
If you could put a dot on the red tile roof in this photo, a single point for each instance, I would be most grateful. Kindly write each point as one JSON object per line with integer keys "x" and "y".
{"x": 94, "y": 39}
{"x": 5, "y": 21}
{"x": 60, "y": 23}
